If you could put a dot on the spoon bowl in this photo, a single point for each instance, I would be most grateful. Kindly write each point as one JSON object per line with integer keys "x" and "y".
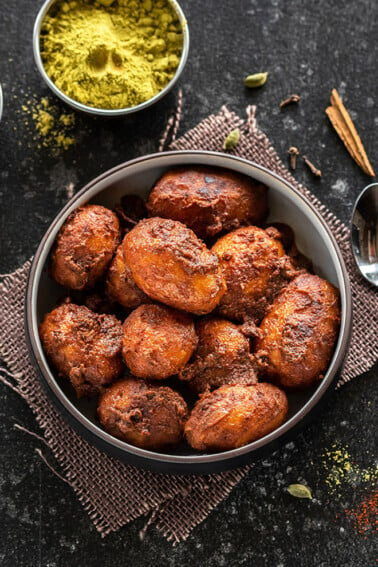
{"x": 365, "y": 233}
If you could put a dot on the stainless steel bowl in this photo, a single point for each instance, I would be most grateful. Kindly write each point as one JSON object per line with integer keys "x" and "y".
{"x": 286, "y": 205}
{"x": 101, "y": 111}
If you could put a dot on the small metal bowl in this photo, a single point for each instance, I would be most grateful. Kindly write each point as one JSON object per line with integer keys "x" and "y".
{"x": 103, "y": 111}
{"x": 287, "y": 205}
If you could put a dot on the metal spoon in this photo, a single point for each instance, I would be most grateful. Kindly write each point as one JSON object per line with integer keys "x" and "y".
{"x": 365, "y": 233}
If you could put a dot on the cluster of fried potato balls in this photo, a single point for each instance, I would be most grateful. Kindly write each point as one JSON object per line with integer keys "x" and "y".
{"x": 211, "y": 298}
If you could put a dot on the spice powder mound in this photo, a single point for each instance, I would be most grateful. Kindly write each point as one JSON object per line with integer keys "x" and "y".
{"x": 114, "y": 54}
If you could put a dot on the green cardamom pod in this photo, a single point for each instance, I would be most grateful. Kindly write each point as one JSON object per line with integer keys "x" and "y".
{"x": 299, "y": 491}
{"x": 232, "y": 140}
{"x": 256, "y": 80}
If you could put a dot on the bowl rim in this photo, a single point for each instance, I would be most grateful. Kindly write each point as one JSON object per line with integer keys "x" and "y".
{"x": 182, "y": 463}
{"x": 107, "y": 111}
{"x": 1, "y": 103}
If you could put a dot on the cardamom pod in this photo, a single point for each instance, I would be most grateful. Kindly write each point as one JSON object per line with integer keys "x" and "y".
{"x": 299, "y": 491}
{"x": 232, "y": 140}
{"x": 256, "y": 80}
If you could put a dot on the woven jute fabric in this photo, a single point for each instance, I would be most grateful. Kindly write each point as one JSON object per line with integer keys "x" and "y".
{"x": 114, "y": 493}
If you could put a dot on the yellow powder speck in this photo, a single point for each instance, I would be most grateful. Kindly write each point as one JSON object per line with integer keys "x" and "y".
{"x": 64, "y": 141}
{"x": 44, "y": 122}
{"x": 67, "y": 119}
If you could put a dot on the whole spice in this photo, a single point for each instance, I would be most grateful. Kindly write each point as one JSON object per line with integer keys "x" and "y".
{"x": 299, "y": 491}
{"x": 294, "y": 98}
{"x": 293, "y": 154}
{"x": 342, "y": 123}
{"x": 115, "y": 55}
{"x": 232, "y": 139}
{"x": 314, "y": 170}
{"x": 256, "y": 80}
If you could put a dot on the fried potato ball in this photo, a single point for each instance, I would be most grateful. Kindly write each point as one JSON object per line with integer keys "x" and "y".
{"x": 84, "y": 246}
{"x": 120, "y": 284}
{"x": 298, "y": 334}
{"x": 222, "y": 357}
{"x": 170, "y": 264}
{"x": 233, "y": 416}
{"x": 157, "y": 341}
{"x": 149, "y": 416}
{"x": 255, "y": 269}
{"x": 285, "y": 234}
{"x": 208, "y": 200}
{"x": 83, "y": 346}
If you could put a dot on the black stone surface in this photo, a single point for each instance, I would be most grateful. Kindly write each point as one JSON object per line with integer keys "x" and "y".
{"x": 309, "y": 48}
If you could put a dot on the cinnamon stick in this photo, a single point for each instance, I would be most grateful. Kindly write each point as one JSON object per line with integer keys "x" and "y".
{"x": 342, "y": 123}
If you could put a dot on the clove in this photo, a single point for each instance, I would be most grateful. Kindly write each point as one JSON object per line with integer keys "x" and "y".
{"x": 294, "y": 98}
{"x": 293, "y": 153}
{"x": 314, "y": 170}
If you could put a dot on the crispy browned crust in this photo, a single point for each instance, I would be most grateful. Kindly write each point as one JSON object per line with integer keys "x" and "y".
{"x": 143, "y": 414}
{"x": 284, "y": 233}
{"x": 233, "y": 416}
{"x": 170, "y": 264}
{"x": 120, "y": 285}
{"x": 299, "y": 333}
{"x": 83, "y": 346}
{"x": 255, "y": 268}
{"x": 222, "y": 357}
{"x": 157, "y": 341}
{"x": 208, "y": 200}
{"x": 84, "y": 246}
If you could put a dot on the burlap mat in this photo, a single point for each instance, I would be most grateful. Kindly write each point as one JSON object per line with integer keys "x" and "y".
{"x": 114, "y": 493}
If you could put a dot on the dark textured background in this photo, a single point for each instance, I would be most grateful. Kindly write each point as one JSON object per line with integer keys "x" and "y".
{"x": 307, "y": 47}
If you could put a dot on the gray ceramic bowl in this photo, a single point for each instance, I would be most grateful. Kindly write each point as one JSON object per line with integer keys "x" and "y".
{"x": 138, "y": 176}
{"x": 101, "y": 111}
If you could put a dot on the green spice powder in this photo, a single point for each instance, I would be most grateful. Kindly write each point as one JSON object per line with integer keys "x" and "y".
{"x": 113, "y": 54}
